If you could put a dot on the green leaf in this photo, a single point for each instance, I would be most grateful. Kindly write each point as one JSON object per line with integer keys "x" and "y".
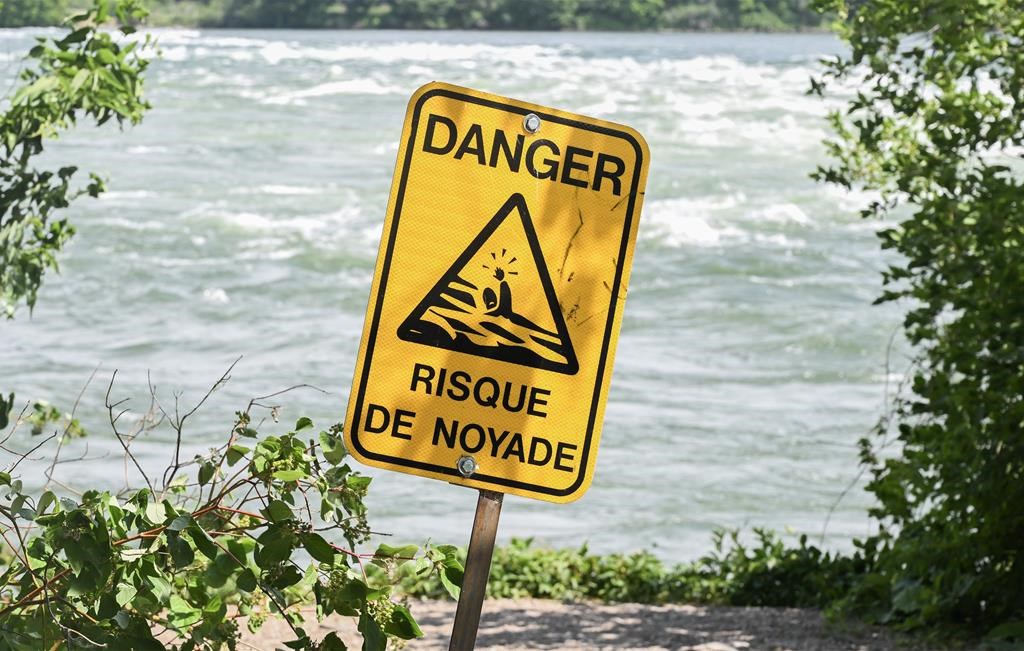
{"x": 1009, "y": 631}
{"x": 202, "y": 541}
{"x": 302, "y": 642}
{"x": 451, "y": 579}
{"x": 182, "y": 613}
{"x": 285, "y": 577}
{"x": 303, "y": 423}
{"x": 45, "y": 501}
{"x": 77, "y": 36}
{"x": 278, "y": 511}
{"x": 214, "y": 610}
{"x": 236, "y": 453}
{"x": 386, "y": 552}
{"x": 276, "y": 545}
{"x": 125, "y": 593}
{"x": 333, "y": 448}
{"x": 318, "y": 548}
{"x": 358, "y": 483}
{"x": 37, "y": 88}
{"x": 373, "y": 637}
{"x": 332, "y": 643}
{"x": 289, "y": 475}
{"x": 106, "y": 605}
{"x": 155, "y": 513}
{"x": 80, "y": 78}
{"x": 106, "y": 57}
{"x": 182, "y": 554}
{"x": 206, "y": 472}
{"x": 161, "y": 588}
{"x": 401, "y": 624}
{"x": 179, "y": 523}
{"x": 246, "y": 581}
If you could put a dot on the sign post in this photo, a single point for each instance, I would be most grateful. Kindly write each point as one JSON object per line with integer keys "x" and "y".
{"x": 478, "y": 567}
{"x": 496, "y": 304}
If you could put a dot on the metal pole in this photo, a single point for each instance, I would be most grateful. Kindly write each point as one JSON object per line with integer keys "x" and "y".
{"x": 478, "y": 567}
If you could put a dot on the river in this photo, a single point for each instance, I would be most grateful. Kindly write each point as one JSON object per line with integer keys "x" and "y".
{"x": 243, "y": 217}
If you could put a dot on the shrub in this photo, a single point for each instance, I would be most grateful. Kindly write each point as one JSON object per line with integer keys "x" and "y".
{"x": 252, "y": 529}
{"x": 935, "y": 130}
{"x": 767, "y": 573}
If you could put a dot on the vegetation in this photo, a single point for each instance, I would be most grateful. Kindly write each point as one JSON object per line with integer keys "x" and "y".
{"x": 767, "y": 573}
{"x": 19, "y": 13}
{"x": 250, "y": 530}
{"x": 765, "y": 15}
{"x": 936, "y": 130}
{"x": 86, "y": 73}
{"x": 255, "y": 528}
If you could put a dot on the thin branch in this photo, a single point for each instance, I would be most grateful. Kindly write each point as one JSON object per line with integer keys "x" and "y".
{"x": 860, "y": 472}
{"x": 255, "y": 400}
{"x": 178, "y": 423}
{"x": 24, "y": 456}
{"x": 120, "y": 439}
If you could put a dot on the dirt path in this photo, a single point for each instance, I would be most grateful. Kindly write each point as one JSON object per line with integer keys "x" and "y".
{"x": 511, "y": 625}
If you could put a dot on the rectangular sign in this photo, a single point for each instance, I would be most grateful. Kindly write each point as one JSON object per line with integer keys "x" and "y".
{"x": 497, "y": 299}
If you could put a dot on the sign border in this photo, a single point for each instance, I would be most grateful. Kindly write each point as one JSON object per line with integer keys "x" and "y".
{"x": 451, "y": 92}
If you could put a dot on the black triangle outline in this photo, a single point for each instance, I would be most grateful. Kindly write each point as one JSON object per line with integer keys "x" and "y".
{"x": 516, "y": 201}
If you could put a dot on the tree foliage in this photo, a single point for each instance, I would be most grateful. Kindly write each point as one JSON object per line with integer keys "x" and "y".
{"x": 85, "y": 73}
{"x": 494, "y": 14}
{"x": 936, "y": 129}
{"x": 22, "y": 13}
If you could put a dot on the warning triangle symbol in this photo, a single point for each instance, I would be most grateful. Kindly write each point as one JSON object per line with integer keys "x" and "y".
{"x": 496, "y": 300}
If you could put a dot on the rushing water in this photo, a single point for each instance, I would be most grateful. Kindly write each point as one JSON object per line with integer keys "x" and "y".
{"x": 243, "y": 219}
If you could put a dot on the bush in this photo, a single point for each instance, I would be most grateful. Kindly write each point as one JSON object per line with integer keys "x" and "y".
{"x": 767, "y": 573}
{"x": 86, "y": 73}
{"x": 691, "y": 16}
{"x": 253, "y": 529}
{"x": 27, "y": 13}
{"x": 933, "y": 130}
{"x": 762, "y": 20}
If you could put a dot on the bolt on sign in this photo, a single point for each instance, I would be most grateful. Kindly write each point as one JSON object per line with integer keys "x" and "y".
{"x": 497, "y": 299}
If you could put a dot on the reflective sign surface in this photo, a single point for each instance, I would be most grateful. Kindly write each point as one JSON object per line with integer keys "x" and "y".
{"x": 498, "y": 294}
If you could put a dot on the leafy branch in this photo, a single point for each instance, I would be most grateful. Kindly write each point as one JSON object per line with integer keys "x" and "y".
{"x": 86, "y": 73}
{"x": 260, "y": 525}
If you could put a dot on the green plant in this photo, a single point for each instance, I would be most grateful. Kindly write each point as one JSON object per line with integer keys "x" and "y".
{"x": 767, "y": 573}
{"x": 86, "y": 72}
{"x": 21, "y": 13}
{"x": 770, "y": 573}
{"x": 260, "y": 526}
{"x": 6, "y": 407}
{"x": 522, "y": 570}
{"x": 43, "y": 413}
{"x": 935, "y": 129}
{"x": 489, "y": 14}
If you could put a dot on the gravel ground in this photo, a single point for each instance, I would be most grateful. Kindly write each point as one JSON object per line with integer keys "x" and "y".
{"x": 539, "y": 624}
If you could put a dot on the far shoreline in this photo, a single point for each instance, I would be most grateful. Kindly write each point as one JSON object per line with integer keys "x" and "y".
{"x": 272, "y": 28}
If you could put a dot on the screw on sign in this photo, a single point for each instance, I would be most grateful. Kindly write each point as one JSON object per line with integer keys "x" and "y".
{"x": 496, "y": 304}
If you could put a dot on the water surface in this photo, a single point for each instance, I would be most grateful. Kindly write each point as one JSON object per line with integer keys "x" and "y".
{"x": 243, "y": 218}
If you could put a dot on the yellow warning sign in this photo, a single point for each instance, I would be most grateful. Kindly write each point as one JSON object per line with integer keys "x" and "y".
{"x": 498, "y": 294}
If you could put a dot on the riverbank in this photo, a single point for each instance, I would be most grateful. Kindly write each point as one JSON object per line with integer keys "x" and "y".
{"x": 511, "y": 624}
{"x": 552, "y": 15}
